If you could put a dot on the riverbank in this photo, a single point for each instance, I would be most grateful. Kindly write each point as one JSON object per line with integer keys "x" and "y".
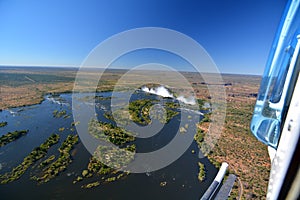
{"x": 236, "y": 145}
{"x": 178, "y": 180}
{"x": 24, "y": 86}
{"x": 247, "y": 157}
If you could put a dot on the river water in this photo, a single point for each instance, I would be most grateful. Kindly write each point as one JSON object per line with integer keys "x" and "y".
{"x": 180, "y": 176}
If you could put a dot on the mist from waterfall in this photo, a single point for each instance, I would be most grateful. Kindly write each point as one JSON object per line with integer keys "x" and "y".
{"x": 164, "y": 92}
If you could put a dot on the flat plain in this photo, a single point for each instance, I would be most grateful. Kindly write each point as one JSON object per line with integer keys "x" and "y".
{"x": 247, "y": 157}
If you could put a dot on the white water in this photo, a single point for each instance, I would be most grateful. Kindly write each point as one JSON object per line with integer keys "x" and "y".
{"x": 161, "y": 91}
{"x": 189, "y": 100}
{"x": 53, "y": 100}
{"x": 13, "y": 113}
{"x": 164, "y": 92}
{"x": 193, "y": 111}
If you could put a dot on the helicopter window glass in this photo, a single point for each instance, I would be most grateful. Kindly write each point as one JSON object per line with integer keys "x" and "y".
{"x": 277, "y": 87}
{"x": 274, "y": 91}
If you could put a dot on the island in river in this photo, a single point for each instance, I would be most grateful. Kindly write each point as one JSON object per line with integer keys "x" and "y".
{"x": 27, "y": 105}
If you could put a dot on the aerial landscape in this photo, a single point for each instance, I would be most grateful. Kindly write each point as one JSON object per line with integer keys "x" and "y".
{"x": 36, "y": 116}
{"x": 133, "y": 99}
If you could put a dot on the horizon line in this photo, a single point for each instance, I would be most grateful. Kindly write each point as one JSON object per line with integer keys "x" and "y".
{"x": 117, "y": 68}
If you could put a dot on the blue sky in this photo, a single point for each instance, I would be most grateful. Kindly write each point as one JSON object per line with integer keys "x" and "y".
{"x": 236, "y": 33}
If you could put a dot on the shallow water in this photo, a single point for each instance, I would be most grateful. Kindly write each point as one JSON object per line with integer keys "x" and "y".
{"x": 180, "y": 177}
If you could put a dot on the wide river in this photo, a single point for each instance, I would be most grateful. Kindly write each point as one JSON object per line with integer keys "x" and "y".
{"x": 180, "y": 177}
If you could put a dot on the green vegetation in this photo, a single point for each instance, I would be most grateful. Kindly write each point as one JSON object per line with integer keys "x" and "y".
{"x": 62, "y": 161}
{"x": 213, "y": 161}
{"x": 47, "y": 161}
{"x": 244, "y": 153}
{"x": 95, "y": 166}
{"x": 202, "y": 172}
{"x": 75, "y": 123}
{"x": 182, "y": 130}
{"x": 139, "y": 111}
{"x": 122, "y": 115}
{"x": 173, "y": 105}
{"x": 109, "y": 132}
{"x": 36, "y": 154}
{"x": 163, "y": 183}
{"x": 98, "y": 168}
{"x": 91, "y": 98}
{"x": 108, "y": 115}
{"x": 9, "y": 137}
{"x": 79, "y": 178}
{"x": 203, "y": 104}
{"x": 118, "y": 157}
{"x": 110, "y": 179}
{"x": 66, "y": 116}
{"x": 113, "y": 156}
{"x": 102, "y": 98}
{"x": 58, "y": 114}
{"x": 170, "y": 114}
{"x": 29, "y": 85}
{"x": 90, "y": 185}
{"x": 199, "y": 136}
{"x": 2, "y": 124}
{"x": 131, "y": 148}
{"x": 19, "y": 79}
{"x": 206, "y": 118}
{"x": 200, "y": 102}
{"x": 85, "y": 173}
